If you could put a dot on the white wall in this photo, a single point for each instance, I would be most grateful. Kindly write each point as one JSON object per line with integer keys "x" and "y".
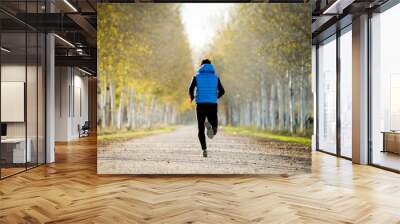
{"x": 62, "y": 81}
{"x": 81, "y": 89}
{"x": 33, "y": 126}
{"x": 71, "y": 87}
{"x": 12, "y": 73}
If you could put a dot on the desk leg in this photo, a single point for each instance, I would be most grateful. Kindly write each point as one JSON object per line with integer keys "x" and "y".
{"x": 384, "y": 143}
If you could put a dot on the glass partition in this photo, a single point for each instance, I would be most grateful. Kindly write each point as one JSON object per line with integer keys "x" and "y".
{"x": 13, "y": 109}
{"x": 41, "y": 96}
{"x": 385, "y": 89}
{"x": 346, "y": 92}
{"x": 22, "y": 88}
{"x": 327, "y": 95}
{"x": 31, "y": 97}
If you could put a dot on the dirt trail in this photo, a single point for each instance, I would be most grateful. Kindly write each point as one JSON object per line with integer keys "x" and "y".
{"x": 179, "y": 152}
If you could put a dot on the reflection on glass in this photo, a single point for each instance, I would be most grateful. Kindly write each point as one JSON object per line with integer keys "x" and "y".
{"x": 22, "y": 91}
{"x": 346, "y": 94}
{"x": 41, "y": 99}
{"x": 385, "y": 84}
{"x": 31, "y": 97}
{"x": 394, "y": 102}
{"x": 327, "y": 96}
{"x": 14, "y": 153}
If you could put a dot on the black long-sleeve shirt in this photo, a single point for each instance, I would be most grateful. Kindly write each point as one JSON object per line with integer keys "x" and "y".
{"x": 221, "y": 90}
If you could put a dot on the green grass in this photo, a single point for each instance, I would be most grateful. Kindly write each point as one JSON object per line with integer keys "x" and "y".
{"x": 250, "y": 131}
{"x": 129, "y": 134}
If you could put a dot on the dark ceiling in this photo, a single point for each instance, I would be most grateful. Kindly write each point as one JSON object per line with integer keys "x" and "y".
{"x": 326, "y": 24}
{"x": 200, "y": 1}
{"x": 74, "y": 22}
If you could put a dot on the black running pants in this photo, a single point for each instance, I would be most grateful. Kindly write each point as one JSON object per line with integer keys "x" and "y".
{"x": 207, "y": 111}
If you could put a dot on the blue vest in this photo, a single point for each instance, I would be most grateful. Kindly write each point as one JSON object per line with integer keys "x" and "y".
{"x": 206, "y": 85}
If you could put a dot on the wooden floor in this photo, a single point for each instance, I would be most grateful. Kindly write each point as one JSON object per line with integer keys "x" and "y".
{"x": 387, "y": 159}
{"x": 70, "y": 191}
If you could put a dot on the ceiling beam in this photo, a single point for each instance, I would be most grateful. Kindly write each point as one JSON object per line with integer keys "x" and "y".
{"x": 78, "y": 61}
{"x": 83, "y": 23}
{"x": 337, "y": 7}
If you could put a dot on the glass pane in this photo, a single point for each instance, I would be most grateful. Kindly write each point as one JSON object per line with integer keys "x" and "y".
{"x": 13, "y": 86}
{"x": 385, "y": 86}
{"x": 31, "y": 98}
{"x": 346, "y": 94}
{"x": 327, "y": 96}
{"x": 41, "y": 98}
{"x": 23, "y": 86}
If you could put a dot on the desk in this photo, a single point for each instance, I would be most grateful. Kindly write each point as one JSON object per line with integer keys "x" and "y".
{"x": 16, "y": 147}
{"x": 391, "y": 141}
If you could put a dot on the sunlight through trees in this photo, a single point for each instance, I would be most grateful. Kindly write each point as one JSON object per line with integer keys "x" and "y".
{"x": 262, "y": 55}
{"x": 144, "y": 64}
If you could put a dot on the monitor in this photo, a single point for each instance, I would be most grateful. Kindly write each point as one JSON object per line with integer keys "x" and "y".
{"x": 3, "y": 129}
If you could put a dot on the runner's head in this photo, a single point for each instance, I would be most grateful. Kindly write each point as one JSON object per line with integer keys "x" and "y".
{"x": 205, "y": 61}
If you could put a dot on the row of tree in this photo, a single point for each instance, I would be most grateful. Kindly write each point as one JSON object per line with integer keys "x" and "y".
{"x": 144, "y": 62}
{"x": 263, "y": 58}
{"x": 262, "y": 55}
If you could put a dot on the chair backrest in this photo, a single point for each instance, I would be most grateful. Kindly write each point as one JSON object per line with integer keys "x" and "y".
{"x": 86, "y": 125}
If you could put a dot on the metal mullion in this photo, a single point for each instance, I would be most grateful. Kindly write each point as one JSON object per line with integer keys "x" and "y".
{"x": 338, "y": 77}
{"x": 317, "y": 96}
{"x": 73, "y": 92}
{"x": 69, "y": 92}
{"x": 13, "y": 174}
{"x": 385, "y": 168}
{"x": 45, "y": 96}
{"x": 333, "y": 154}
{"x": 26, "y": 87}
{"x": 37, "y": 91}
{"x": 45, "y": 89}
{"x": 0, "y": 97}
{"x": 369, "y": 89}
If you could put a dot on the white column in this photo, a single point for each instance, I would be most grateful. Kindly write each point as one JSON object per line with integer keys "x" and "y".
{"x": 50, "y": 99}
{"x": 50, "y": 92}
{"x": 360, "y": 90}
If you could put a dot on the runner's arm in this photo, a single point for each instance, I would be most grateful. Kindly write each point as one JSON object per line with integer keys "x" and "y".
{"x": 191, "y": 88}
{"x": 221, "y": 90}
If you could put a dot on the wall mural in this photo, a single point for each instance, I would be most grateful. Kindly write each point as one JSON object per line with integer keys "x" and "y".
{"x": 204, "y": 88}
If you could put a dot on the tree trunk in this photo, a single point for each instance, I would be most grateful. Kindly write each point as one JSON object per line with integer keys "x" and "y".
{"x": 121, "y": 108}
{"x": 102, "y": 107}
{"x": 302, "y": 101}
{"x": 233, "y": 114}
{"x": 291, "y": 106}
{"x": 250, "y": 113}
{"x": 156, "y": 113}
{"x": 258, "y": 113}
{"x": 113, "y": 111}
{"x": 272, "y": 108}
{"x": 174, "y": 116}
{"x": 151, "y": 112}
{"x": 228, "y": 113}
{"x": 264, "y": 104}
{"x": 107, "y": 103}
{"x": 281, "y": 106}
{"x": 142, "y": 116}
{"x": 166, "y": 113}
{"x": 131, "y": 110}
